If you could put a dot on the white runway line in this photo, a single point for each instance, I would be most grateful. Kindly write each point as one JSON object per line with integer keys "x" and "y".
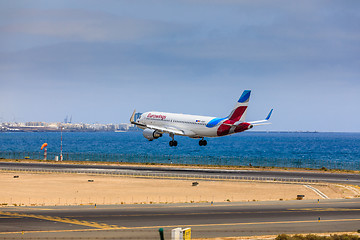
{"x": 317, "y": 192}
{"x": 354, "y": 190}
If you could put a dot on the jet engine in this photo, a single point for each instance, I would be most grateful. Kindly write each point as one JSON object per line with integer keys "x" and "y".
{"x": 243, "y": 127}
{"x": 151, "y": 134}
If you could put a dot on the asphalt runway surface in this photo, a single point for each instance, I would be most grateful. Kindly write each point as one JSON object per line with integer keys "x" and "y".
{"x": 205, "y": 220}
{"x": 344, "y": 178}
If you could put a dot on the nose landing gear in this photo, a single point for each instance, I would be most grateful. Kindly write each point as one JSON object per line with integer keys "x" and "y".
{"x": 172, "y": 143}
{"x": 202, "y": 142}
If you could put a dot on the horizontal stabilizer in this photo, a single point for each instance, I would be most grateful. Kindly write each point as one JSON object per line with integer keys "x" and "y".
{"x": 263, "y": 122}
{"x": 259, "y": 124}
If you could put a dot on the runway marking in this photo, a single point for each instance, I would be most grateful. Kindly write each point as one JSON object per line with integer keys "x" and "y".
{"x": 56, "y": 231}
{"x": 21, "y": 208}
{"x": 326, "y": 209}
{"x": 350, "y": 188}
{"x": 227, "y": 212}
{"x": 173, "y": 226}
{"x": 238, "y": 224}
{"x": 317, "y": 191}
{"x": 217, "y": 213}
{"x": 63, "y": 220}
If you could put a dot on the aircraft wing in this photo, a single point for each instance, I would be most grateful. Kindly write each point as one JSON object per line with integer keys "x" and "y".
{"x": 167, "y": 130}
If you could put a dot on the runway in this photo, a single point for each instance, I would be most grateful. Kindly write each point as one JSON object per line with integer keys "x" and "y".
{"x": 205, "y": 220}
{"x": 343, "y": 178}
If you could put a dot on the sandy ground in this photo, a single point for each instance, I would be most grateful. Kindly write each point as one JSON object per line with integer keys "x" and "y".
{"x": 75, "y": 189}
{"x": 271, "y": 237}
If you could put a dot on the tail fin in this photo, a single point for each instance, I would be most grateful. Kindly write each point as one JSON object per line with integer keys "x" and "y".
{"x": 239, "y": 111}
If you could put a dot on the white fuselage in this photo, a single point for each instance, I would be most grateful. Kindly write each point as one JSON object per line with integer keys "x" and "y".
{"x": 155, "y": 124}
{"x": 191, "y": 125}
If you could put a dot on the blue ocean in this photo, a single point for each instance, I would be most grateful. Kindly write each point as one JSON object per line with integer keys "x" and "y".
{"x": 313, "y": 150}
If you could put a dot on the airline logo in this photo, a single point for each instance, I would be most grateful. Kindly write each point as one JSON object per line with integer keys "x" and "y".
{"x": 162, "y": 117}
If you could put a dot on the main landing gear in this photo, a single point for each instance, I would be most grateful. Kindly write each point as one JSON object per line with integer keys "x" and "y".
{"x": 202, "y": 142}
{"x": 172, "y": 143}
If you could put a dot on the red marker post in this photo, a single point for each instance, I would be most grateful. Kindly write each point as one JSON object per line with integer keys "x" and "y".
{"x": 45, "y": 150}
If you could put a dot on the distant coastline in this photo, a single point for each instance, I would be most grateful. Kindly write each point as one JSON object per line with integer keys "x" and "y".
{"x": 90, "y": 127}
{"x": 66, "y": 127}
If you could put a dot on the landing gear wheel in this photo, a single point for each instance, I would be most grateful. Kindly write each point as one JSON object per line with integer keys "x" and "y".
{"x": 202, "y": 142}
{"x": 173, "y": 143}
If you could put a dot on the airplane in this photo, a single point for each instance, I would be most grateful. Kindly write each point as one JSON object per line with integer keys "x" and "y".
{"x": 155, "y": 124}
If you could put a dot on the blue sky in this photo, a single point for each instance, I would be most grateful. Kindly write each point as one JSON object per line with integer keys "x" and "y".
{"x": 98, "y": 60}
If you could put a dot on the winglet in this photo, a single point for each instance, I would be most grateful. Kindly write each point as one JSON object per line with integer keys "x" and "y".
{"x": 132, "y": 119}
{"x": 269, "y": 115}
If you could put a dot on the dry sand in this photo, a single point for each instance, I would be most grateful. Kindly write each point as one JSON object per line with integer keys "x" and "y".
{"x": 272, "y": 237}
{"x": 75, "y": 189}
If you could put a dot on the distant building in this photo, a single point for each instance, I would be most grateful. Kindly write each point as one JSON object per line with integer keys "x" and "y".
{"x": 110, "y": 127}
{"x": 67, "y": 127}
{"x": 35, "y": 124}
{"x": 123, "y": 127}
